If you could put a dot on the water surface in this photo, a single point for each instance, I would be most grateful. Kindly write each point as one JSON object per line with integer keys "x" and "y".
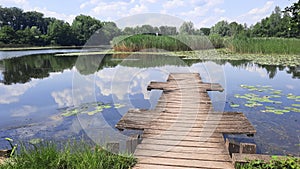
{"x": 37, "y": 89}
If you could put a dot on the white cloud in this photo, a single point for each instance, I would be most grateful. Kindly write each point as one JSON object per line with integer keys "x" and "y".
{"x": 23, "y": 111}
{"x": 219, "y": 11}
{"x": 263, "y": 10}
{"x": 48, "y": 13}
{"x": 256, "y": 14}
{"x": 261, "y": 71}
{"x": 11, "y": 2}
{"x": 200, "y": 12}
{"x": 83, "y": 5}
{"x": 63, "y": 98}
{"x": 114, "y": 9}
{"x": 173, "y": 4}
{"x": 138, "y": 9}
{"x": 11, "y": 93}
{"x": 196, "y": 12}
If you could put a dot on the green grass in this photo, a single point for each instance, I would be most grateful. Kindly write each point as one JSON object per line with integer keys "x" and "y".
{"x": 238, "y": 44}
{"x": 275, "y": 163}
{"x": 141, "y": 42}
{"x": 72, "y": 156}
{"x": 263, "y": 45}
{"x": 169, "y": 43}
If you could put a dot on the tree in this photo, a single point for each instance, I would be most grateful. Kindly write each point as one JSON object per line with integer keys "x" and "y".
{"x": 128, "y": 31}
{"x": 205, "y": 31}
{"x": 12, "y": 17}
{"x": 187, "y": 28}
{"x": 235, "y": 28}
{"x": 7, "y": 34}
{"x": 294, "y": 10}
{"x": 108, "y": 32}
{"x": 221, "y": 28}
{"x": 167, "y": 30}
{"x": 61, "y": 33}
{"x": 84, "y": 27}
{"x": 147, "y": 29}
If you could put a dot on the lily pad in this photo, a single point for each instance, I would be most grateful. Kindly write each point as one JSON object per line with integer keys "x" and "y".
{"x": 89, "y": 108}
{"x": 117, "y": 106}
{"x": 275, "y": 96}
{"x": 293, "y": 97}
{"x": 293, "y": 109}
{"x": 296, "y": 105}
{"x": 276, "y": 92}
{"x": 269, "y": 107}
{"x": 70, "y": 113}
{"x": 253, "y": 104}
{"x": 275, "y": 111}
{"x": 234, "y": 105}
{"x": 92, "y": 112}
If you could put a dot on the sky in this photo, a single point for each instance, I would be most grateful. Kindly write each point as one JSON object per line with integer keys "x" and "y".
{"x": 203, "y": 13}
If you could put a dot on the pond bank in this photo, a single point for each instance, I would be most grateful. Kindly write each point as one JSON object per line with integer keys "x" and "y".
{"x": 212, "y": 54}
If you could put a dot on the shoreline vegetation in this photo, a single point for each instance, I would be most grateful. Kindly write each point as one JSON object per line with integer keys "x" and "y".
{"x": 50, "y": 154}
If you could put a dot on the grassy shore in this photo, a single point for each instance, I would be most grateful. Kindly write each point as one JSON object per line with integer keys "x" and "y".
{"x": 275, "y": 163}
{"x": 210, "y": 55}
{"x": 71, "y": 156}
{"x": 263, "y": 45}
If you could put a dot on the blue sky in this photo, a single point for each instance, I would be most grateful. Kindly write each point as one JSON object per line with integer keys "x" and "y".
{"x": 203, "y": 13}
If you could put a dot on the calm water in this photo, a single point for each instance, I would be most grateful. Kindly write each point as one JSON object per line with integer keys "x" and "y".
{"x": 36, "y": 91}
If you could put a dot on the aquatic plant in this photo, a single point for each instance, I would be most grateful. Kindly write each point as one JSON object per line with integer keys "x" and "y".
{"x": 265, "y": 97}
{"x": 89, "y": 109}
{"x": 264, "y": 45}
{"x": 13, "y": 146}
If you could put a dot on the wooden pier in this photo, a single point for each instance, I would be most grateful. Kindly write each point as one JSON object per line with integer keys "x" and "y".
{"x": 183, "y": 131}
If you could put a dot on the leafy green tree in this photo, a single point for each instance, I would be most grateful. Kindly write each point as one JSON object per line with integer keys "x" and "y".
{"x": 205, "y": 31}
{"x": 167, "y": 30}
{"x": 221, "y": 28}
{"x": 108, "y": 32}
{"x": 235, "y": 28}
{"x": 12, "y": 17}
{"x": 61, "y": 33}
{"x": 84, "y": 27}
{"x": 36, "y": 19}
{"x": 128, "y": 31}
{"x": 7, "y": 34}
{"x": 187, "y": 28}
{"x": 146, "y": 29}
{"x": 294, "y": 10}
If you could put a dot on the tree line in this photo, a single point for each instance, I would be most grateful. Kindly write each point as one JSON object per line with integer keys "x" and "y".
{"x": 19, "y": 28}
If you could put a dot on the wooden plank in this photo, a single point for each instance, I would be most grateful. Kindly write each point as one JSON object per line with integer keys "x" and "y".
{"x": 156, "y": 166}
{"x": 184, "y": 143}
{"x": 182, "y": 149}
{"x": 215, "y": 139}
{"x": 185, "y": 163}
{"x": 180, "y": 155}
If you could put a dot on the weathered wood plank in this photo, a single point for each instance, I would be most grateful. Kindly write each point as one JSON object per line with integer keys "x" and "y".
{"x": 185, "y": 163}
{"x": 179, "y": 155}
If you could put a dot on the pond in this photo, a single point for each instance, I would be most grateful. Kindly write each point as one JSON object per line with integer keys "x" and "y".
{"x": 60, "y": 98}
